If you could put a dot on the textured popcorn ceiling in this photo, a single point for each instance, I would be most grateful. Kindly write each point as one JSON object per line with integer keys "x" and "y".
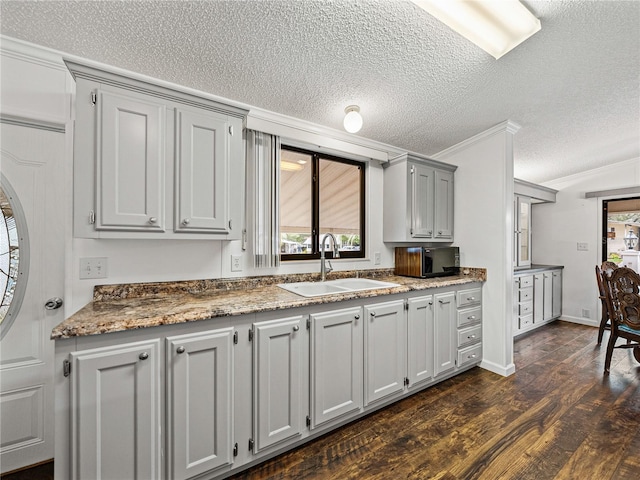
{"x": 573, "y": 86}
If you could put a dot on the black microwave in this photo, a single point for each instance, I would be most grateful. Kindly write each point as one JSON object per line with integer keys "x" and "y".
{"x": 426, "y": 262}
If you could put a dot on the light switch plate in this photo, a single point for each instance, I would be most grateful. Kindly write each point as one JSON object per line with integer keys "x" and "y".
{"x": 583, "y": 247}
{"x": 93, "y": 267}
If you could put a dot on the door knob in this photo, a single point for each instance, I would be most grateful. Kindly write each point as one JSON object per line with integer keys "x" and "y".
{"x": 53, "y": 303}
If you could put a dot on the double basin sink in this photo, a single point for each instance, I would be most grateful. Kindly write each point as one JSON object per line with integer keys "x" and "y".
{"x": 332, "y": 287}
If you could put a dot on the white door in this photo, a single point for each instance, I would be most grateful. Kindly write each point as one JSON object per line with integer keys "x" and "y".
{"x": 32, "y": 163}
{"x": 420, "y": 339}
{"x": 444, "y": 332}
{"x": 421, "y": 201}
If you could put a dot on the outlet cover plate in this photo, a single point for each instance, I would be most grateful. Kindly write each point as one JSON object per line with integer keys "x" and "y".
{"x": 93, "y": 267}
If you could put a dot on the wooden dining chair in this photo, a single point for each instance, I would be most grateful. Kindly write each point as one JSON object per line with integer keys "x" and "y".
{"x": 622, "y": 292}
{"x": 605, "y": 324}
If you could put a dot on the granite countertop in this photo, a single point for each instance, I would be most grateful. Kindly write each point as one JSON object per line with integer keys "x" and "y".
{"x": 117, "y": 308}
{"x": 535, "y": 268}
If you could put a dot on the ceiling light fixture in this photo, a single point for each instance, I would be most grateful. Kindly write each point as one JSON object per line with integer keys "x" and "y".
{"x": 496, "y": 26}
{"x": 352, "y": 119}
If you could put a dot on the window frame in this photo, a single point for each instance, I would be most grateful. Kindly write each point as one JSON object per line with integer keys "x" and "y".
{"x": 315, "y": 207}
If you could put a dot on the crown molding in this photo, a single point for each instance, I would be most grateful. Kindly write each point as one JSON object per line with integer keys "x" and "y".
{"x": 507, "y": 126}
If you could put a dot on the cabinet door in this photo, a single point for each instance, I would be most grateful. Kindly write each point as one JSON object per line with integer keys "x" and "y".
{"x": 421, "y": 201}
{"x": 538, "y": 298}
{"x": 336, "y": 364}
{"x": 444, "y": 332}
{"x": 199, "y": 402}
{"x": 385, "y": 350}
{"x": 420, "y": 339}
{"x": 443, "y": 205}
{"x": 201, "y": 172}
{"x": 556, "y": 302}
{"x": 276, "y": 382}
{"x": 115, "y": 412}
{"x": 548, "y": 296}
{"x": 130, "y": 163}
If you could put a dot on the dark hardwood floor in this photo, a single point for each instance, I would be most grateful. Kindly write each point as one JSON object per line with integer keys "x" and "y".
{"x": 558, "y": 417}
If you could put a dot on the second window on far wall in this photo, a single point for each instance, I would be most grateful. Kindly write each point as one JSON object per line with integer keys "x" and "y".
{"x": 320, "y": 194}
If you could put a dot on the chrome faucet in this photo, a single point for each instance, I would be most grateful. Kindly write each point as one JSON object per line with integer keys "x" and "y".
{"x": 336, "y": 254}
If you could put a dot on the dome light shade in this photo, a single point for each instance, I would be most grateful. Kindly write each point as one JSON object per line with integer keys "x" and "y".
{"x": 352, "y": 119}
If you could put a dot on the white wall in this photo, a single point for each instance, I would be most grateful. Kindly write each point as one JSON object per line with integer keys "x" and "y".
{"x": 558, "y": 227}
{"x": 483, "y": 231}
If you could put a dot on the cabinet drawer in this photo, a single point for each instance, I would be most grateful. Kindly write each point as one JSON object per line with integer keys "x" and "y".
{"x": 469, "y": 335}
{"x": 525, "y": 308}
{"x": 469, "y": 316}
{"x": 469, "y": 355}
{"x": 472, "y": 296}
{"x": 526, "y": 281}
{"x": 526, "y": 294}
{"x": 526, "y": 321}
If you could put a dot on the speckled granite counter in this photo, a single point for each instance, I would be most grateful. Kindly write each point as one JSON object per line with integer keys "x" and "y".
{"x": 117, "y": 308}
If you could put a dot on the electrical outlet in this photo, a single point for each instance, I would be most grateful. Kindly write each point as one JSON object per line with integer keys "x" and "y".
{"x": 586, "y": 313}
{"x": 376, "y": 258}
{"x": 236, "y": 263}
{"x": 583, "y": 247}
{"x": 93, "y": 267}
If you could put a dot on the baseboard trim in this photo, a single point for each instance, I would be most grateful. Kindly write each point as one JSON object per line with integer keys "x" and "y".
{"x": 581, "y": 321}
{"x": 505, "y": 371}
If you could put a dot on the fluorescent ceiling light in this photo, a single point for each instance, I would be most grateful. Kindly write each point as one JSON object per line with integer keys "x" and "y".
{"x": 496, "y": 26}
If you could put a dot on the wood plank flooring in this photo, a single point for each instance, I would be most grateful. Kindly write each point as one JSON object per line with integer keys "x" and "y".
{"x": 558, "y": 417}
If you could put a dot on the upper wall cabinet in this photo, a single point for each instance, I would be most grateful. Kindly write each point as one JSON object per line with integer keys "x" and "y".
{"x": 418, "y": 200}
{"x": 153, "y": 162}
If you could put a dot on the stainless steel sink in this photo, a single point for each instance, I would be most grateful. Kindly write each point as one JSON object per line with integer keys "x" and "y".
{"x": 332, "y": 287}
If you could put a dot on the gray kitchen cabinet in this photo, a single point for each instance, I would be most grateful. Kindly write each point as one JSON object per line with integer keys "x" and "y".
{"x": 538, "y": 298}
{"x": 420, "y": 340}
{"x": 336, "y": 364}
{"x": 130, "y": 162}
{"x": 556, "y": 291}
{"x": 202, "y": 165}
{"x": 115, "y": 412}
{"x": 277, "y": 381}
{"x": 445, "y": 341}
{"x": 418, "y": 200}
{"x": 385, "y": 340}
{"x": 199, "y": 402}
{"x": 153, "y": 162}
{"x": 469, "y": 327}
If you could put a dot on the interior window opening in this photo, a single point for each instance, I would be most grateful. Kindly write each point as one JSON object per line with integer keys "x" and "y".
{"x": 320, "y": 194}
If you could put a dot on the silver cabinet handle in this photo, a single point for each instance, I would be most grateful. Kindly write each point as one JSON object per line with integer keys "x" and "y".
{"x": 473, "y": 355}
{"x": 143, "y": 356}
{"x": 472, "y": 317}
{"x": 186, "y": 221}
{"x": 471, "y": 299}
{"x": 180, "y": 349}
{"x": 470, "y": 337}
{"x": 296, "y": 328}
{"x": 357, "y": 317}
{"x": 53, "y": 303}
{"x": 153, "y": 220}
{"x": 443, "y": 302}
{"x": 439, "y": 232}
{"x": 373, "y": 314}
{"x": 430, "y": 232}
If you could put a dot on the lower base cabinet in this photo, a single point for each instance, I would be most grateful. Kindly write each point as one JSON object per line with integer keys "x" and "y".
{"x": 537, "y": 299}
{"x": 199, "y": 402}
{"x": 225, "y": 393}
{"x": 115, "y": 412}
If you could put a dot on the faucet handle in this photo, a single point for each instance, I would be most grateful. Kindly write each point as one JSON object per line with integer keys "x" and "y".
{"x": 329, "y": 268}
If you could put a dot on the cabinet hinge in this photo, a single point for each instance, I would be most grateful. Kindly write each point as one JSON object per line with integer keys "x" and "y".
{"x": 235, "y": 337}
{"x": 230, "y": 129}
{"x": 235, "y": 449}
{"x": 406, "y": 304}
{"x": 308, "y": 323}
{"x": 250, "y": 444}
{"x": 230, "y": 227}
{"x": 94, "y": 98}
{"x": 66, "y": 368}
{"x": 308, "y": 421}
{"x": 406, "y": 381}
{"x": 412, "y": 170}
{"x": 251, "y": 335}
{"x": 92, "y": 217}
